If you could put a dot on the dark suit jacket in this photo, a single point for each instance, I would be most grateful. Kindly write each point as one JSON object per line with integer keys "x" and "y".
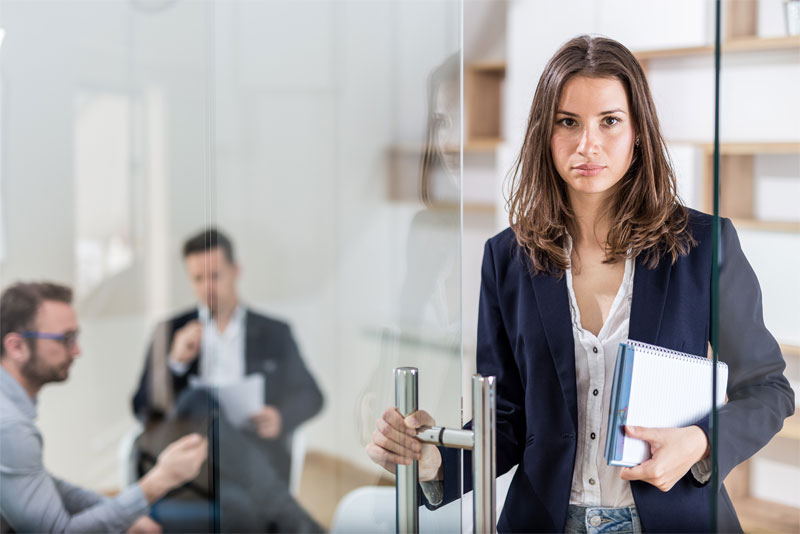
{"x": 270, "y": 350}
{"x": 525, "y": 340}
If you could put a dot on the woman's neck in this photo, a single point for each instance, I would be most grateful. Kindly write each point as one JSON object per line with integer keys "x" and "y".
{"x": 591, "y": 221}
{"x": 590, "y": 229}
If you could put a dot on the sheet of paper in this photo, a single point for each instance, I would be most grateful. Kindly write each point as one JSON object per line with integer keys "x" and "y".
{"x": 239, "y": 400}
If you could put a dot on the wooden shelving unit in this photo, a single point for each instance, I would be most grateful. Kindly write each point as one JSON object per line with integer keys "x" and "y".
{"x": 742, "y": 44}
{"x": 403, "y": 171}
{"x": 759, "y": 515}
{"x": 738, "y": 180}
{"x": 483, "y": 93}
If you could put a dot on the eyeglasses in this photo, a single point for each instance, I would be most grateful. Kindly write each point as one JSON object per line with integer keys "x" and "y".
{"x": 68, "y": 339}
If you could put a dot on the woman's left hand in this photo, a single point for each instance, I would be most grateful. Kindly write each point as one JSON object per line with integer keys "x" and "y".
{"x": 673, "y": 452}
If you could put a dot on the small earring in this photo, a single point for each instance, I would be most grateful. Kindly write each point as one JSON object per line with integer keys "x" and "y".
{"x": 637, "y": 141}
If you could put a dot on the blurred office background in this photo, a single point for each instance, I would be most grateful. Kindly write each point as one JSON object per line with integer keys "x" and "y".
{"x": 301, "y": 128}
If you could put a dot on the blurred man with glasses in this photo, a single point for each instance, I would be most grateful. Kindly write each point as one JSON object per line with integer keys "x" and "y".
{"x": 39, "y": 335}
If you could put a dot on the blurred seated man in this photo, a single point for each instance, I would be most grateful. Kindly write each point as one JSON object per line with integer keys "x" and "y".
{"x": 218, "y": 344}
{"x": 39, "y": 333}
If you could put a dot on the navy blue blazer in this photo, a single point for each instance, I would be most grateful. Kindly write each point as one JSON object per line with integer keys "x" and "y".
{"x": 525, "y": 340}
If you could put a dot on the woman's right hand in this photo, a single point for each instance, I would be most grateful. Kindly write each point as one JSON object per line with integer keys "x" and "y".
{"x": 394, "y": 442}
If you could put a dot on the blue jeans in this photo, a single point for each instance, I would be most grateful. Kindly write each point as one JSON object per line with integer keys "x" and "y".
{"x": 598, "y": 520}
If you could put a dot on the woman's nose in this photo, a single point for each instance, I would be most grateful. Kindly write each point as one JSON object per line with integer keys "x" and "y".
{"x": 588, "y": 143}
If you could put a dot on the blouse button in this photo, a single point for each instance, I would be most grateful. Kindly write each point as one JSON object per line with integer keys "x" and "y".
{"x": 595, "y": 392}
{"x": 591, "y": 481}
{"x": 594, "y": 349}
{"x": 593, "y": 435}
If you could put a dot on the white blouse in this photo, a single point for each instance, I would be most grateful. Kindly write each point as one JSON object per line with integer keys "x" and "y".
{"x": 594, "y": 482}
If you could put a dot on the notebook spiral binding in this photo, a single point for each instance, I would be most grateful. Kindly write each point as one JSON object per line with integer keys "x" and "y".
{"x": 673, "y": 353}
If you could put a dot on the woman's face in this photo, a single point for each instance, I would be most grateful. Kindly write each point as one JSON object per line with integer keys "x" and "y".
{"x": 446, "y": 116}
{"x": 593, "y": 137}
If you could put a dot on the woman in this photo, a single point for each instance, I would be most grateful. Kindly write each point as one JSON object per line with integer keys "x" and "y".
{"x": 600, "y": 250}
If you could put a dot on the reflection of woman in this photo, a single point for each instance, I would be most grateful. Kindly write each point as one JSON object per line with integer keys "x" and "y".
{"x": 432, "y": 251}
{"x": 427, "y": 331}
{"x": 599, "y": 250}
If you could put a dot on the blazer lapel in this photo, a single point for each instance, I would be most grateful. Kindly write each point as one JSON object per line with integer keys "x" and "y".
{"x": 252, "y": 361}
{"x": 649, "y": 296}
{"x": 552, "y": 299}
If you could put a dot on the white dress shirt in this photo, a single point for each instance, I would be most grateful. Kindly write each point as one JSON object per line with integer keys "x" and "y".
{"x": 222, "y": 359}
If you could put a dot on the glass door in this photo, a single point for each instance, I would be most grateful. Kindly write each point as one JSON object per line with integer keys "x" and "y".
{"x": 753, "y": 188}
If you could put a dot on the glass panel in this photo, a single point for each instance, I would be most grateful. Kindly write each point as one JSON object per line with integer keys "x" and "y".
{"x": 337, "y": 170}
{"x": 757, "y": 187}
{"x": 324, "y": 139}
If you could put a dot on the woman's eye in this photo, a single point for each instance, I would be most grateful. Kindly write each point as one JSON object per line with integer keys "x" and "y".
{"x": 611, "y": 121}
{"x": 569, "y": 123}
{"x": 440, "y": 120}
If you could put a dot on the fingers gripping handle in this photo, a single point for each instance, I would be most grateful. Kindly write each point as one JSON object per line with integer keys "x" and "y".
{"x": 481, "y": 440}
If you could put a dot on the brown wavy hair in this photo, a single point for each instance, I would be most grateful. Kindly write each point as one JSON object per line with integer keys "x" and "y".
{"x": 646, "y": 215}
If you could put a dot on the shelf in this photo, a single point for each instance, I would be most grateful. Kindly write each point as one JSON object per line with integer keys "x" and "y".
{"x": 790, "y": 350}
{"x": 498, "y": 67}
{"x": 791, "y": 428}
{"x": 416, "y": 338}
{"x": 738, "y": 182}
{"x": 470, "y": 207}
{"x": 479, "y": 207}
{"x": 742, "y": 44}
{"x": 483, "y": 95}
{"x": 757, "y": 515}
{"x": 476, "y": 145}
{"x": 741, "y": 149}
{"x": 767, "y": 226}
{"x": 482, "y": 144}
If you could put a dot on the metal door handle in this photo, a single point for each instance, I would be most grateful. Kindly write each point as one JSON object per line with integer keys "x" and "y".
{"x": 480, "y": 440}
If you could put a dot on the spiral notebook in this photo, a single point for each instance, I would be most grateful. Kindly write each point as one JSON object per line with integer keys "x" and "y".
{"x": 657, "y": 387}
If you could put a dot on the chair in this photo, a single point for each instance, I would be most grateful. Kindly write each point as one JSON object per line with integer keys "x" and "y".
{"x": 371, "y": 509}
{"x": 298, "y": 444}
{"x": 128, "y": 456}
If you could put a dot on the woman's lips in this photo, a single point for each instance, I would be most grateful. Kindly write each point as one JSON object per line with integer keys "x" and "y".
{"x": 588, "y": 169}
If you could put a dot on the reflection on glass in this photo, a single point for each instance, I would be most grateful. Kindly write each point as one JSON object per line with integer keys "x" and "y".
{"x": 228, "y": 372}
{"x": 755, "y": 190}
{"x": 272, "y": 120}
{"x": 102, "y": 170}
{"x": 426, "y": 330}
